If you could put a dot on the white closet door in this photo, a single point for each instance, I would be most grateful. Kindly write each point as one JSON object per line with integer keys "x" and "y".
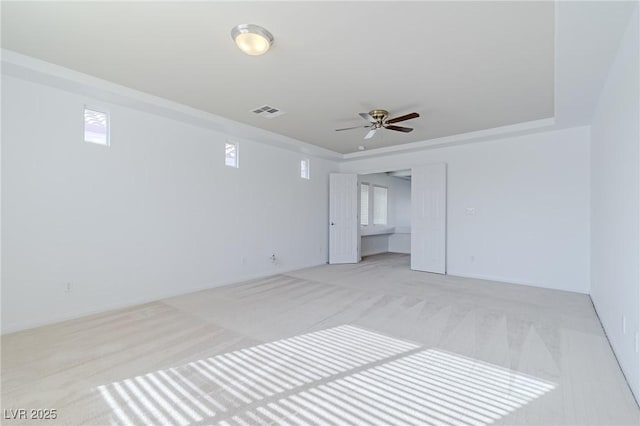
{"x": 343, "y": 218}
{"x": 429, "y": 218}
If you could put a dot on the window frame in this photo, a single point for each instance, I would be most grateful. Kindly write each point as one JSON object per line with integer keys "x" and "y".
{"x": 236, "y": 146}
{"x": 307, "y": 175}
{"x": 368, "y": 203}
{"x": 373, "y": 205}
{"x": 99, "y": 110}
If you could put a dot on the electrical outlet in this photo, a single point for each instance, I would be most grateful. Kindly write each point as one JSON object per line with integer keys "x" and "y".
{"x": 624, "y": 324}
{"x": 67, "y": 287}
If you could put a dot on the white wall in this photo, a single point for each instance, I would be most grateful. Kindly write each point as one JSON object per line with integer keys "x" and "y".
{"x": 615, "y": 204}
{"x": 155, "y": 214}
{"x": 374, "y": 244}
{"x": 531, "y": 195}
{"x": 400, "y": 240}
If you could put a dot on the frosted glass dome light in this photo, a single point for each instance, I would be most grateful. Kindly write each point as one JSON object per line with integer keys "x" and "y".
{"x": 252, "y": 39}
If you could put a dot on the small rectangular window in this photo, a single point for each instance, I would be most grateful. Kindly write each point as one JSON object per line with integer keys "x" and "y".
{"x": 379, "y": 205}
{"x": 96, "y": 126}
{"x": 364, "y": 204}
{"x": 304, "y": 169}
{"x": 231, "y": 154}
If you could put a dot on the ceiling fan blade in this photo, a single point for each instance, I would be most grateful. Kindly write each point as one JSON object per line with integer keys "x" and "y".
{"x": 351, "y": 128}
{"x": 399, "y": 128}
{"x": 403, "y": 118}
{"x": 367, "y": 117}
{"x": 370, "y": 134}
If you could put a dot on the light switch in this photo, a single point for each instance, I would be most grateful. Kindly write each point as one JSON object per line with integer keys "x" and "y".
{"x": 471, "y": 211}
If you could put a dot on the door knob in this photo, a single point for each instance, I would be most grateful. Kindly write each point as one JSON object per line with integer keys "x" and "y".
{"x": 332, "y": 224}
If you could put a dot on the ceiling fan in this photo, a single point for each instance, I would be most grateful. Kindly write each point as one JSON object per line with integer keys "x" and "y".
{"x": 377, "y": 119}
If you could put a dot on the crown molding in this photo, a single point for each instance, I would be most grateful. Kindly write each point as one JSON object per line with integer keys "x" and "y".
{"x": 469, "y": 137}
{"x": 35, "y": 70}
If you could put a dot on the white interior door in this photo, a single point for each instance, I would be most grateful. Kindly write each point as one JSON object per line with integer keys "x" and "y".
{"x": 429, "y": 218}
{"x": 343, "y": 218}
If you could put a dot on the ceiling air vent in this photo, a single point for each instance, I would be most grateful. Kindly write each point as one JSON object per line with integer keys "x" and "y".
{"x": 267, "y": 111}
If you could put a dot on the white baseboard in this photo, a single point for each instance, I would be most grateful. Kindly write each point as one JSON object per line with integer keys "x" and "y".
{"x": 508, "y": 280}
{"x": 373, "y": 253}
{"x": 614, "y": 349}
{"x": 21, "y": 326}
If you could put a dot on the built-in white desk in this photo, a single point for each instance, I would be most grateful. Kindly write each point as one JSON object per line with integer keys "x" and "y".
{"x": 383, "y": 239}
{"x": 366, "y": 231}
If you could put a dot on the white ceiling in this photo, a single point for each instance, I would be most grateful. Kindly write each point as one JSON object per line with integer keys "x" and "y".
{"x": 587, "y": 39}
{"x": 464, "y": 66}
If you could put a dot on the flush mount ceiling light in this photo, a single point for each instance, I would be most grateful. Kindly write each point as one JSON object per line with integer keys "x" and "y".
{"x": 252, "y": 39}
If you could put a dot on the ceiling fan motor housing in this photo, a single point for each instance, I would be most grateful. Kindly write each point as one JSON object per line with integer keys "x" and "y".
{"x": 379, "y": 114}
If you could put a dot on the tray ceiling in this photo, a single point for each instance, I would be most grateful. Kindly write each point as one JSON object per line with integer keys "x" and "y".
{"x": 464, "y": 66}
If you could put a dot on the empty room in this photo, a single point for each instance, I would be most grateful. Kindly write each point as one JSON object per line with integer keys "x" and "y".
{"x": 320, "y": 213}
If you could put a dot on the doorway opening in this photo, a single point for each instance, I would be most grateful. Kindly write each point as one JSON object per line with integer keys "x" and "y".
{"x": 385, "y": 213}
{"x": 402, "y": 211}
